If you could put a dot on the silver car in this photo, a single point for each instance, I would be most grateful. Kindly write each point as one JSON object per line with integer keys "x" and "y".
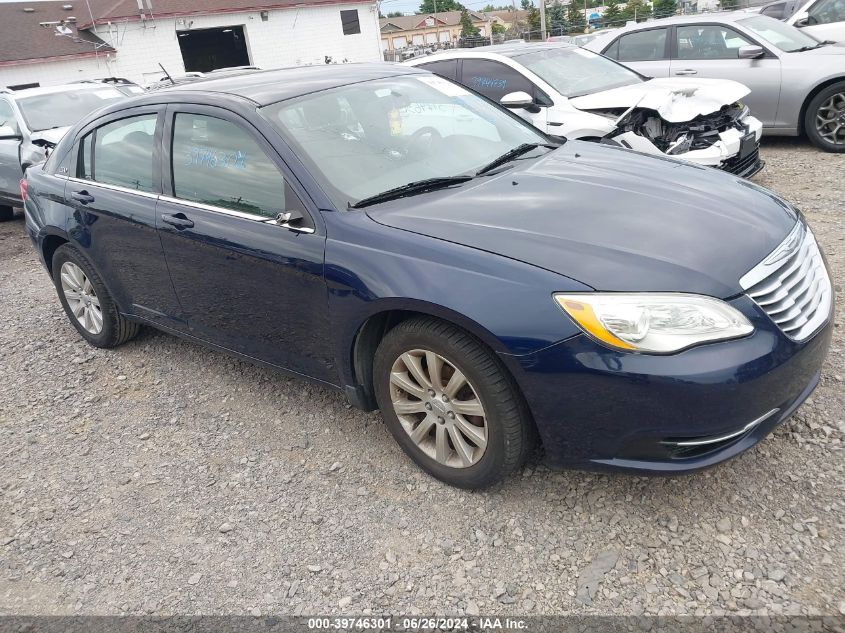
{"x": 797, "y": 82}
{"x": 35, "y": 119}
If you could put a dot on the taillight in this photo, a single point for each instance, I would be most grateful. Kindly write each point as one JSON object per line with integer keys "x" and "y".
{"x": 24, "y": 189}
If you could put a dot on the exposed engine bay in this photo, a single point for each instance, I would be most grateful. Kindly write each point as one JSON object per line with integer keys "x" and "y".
{"x": 678, "y": 138}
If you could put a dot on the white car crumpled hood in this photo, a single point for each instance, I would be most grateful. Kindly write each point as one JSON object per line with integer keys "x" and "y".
{"x": 53, "y": 135}
{"x": 675, "y": 99}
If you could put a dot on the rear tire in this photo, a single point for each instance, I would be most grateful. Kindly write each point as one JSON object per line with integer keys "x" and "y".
{"x": 6, "y": 213}
{"x": 87, "y": 302}
{"x": 828, "y": 105}
{"x": 470, "y": 430}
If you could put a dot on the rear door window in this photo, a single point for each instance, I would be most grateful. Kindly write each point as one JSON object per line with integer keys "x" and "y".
{"x": 447, "y": 68}
{"x": 121, "y": 153}
{"x": 642, "y": 46}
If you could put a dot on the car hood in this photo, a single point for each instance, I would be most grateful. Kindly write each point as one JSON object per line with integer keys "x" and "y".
{"x": 675, "y": 99}
{"x": 50, "y": 137}
{"x": 610, "y": 218}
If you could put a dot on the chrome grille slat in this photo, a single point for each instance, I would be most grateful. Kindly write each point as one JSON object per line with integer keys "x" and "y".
{"x": 792, "y": 285}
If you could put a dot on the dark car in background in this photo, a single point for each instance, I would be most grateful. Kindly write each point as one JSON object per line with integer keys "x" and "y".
{"x": 387, "y": 233}
{"x": 32, "y": 121}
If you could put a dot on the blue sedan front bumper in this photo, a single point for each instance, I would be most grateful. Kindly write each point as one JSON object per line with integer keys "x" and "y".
{"x": 602, "y": 409}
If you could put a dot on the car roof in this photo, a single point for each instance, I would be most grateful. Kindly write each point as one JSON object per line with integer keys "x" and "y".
{"x": 270, "y": 86}
{"x": 48, "y": 90}
{"x": 717, "y": 16}
{"x": 505, "y": 50}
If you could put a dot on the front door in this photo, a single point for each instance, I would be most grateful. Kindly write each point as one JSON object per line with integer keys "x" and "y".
{"x": 711, "y": 51}
{"x": 494, "y": 80}
{"x": 245, "y": 282}
{"x": 825, "y": 20}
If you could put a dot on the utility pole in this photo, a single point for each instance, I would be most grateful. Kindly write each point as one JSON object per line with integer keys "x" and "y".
{"x": 586, "y": 18}
{"x": 542, "y": 20}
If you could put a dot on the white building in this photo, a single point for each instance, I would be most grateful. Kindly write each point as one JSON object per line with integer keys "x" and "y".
{"x": 48, "y": 42}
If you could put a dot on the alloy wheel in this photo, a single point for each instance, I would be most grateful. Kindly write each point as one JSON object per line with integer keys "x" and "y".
{"x": 81, "y": 298}
{"x": 830, "y": 119}
{"x": 438, "y": 408}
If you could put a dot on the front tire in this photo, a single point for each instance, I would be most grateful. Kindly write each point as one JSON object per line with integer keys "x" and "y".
{"x": 87, "y": 302}
{"x": 450, "y": 403}
{"x": 824, "y": 120}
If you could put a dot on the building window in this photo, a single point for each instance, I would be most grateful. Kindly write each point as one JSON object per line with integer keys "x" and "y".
{"x": 349, "y": 20}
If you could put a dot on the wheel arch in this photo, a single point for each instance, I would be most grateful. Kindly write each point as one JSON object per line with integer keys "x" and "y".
{"x": 49, "y": 245}
{"x": 812, "y": 95}
{"x": 387, "y": 316}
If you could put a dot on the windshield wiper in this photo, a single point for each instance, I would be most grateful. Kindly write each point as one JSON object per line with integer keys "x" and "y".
{"x": 411, "y": 189}
{"x": 508, "y": 156}
{"x": 807, "y": 48}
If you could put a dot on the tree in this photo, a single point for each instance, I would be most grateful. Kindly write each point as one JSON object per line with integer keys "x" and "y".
{"x": 556, "y": 18}
{"x": 665, "y": 8}
{"x": 575, "y": 17}
{"x": 612, "y": 14}
{"x": 428, "y": 6}
{"x": 636, "y": 10}
{"x": 498, "y": 28}
{"x": 468, "y": 29}
{"x": 533, "y": 19}
{"x": 526, "y": 5}
{"x": 395, "y": 14}
{"x": 727, "y": 5}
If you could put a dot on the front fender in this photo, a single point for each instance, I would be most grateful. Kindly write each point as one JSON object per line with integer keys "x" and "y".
{"x": 576, "y": 124}
{"x": 372, "y": 268}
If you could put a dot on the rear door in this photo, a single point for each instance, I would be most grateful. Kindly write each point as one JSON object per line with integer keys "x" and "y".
{"x": 112, "y": 189}
{"x": 645, "y": 51}
{"x": 711, "y": 51}
{"x": 245, "y": 282}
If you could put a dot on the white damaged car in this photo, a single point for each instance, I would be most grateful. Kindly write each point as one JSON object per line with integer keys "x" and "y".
{"x": 578, "y": 94}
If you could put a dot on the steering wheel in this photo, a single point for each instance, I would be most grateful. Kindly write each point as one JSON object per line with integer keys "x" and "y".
{"x": 423, "y": 142}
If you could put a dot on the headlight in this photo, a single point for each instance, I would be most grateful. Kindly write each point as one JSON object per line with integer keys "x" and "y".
{"x": 654, "y": 323}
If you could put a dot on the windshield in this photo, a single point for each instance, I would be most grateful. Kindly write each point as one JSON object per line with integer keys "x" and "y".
{"x": 575, "y": 71}
{"x": 785, "y": 36}
{"x": 62, "y": 109}
{"x": 370, "y": 137}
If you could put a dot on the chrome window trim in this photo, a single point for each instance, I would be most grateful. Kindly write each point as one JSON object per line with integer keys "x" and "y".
{"x": 211, "y": 207}
{"x": 137, "y": 192}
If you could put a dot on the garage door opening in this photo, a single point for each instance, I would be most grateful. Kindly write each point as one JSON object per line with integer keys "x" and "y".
{"x": 207, "y": 49}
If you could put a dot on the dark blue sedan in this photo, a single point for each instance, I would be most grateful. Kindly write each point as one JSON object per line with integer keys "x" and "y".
{"x": 384, "y": 232}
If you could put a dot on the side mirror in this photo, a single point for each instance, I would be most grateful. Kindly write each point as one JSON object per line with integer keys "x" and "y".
{"x": 7, "y": 132}
{"x": 750, "y": 52}
{"x": 517, "y": 100}
{"x": 801, "y": 20}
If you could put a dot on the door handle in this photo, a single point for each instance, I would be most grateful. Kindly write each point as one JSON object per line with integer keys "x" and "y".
{"x": 178, "y": 220}
{"x": 688, "y": 71}
{"x": 82, "y": 196}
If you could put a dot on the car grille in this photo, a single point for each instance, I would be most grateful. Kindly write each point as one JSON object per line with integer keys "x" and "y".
{"x": 744, "y": 167}
{"x": 792, "y": 285}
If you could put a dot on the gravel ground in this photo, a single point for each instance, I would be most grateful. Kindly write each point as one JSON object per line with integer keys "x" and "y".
{"x": 165, "y": 478}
